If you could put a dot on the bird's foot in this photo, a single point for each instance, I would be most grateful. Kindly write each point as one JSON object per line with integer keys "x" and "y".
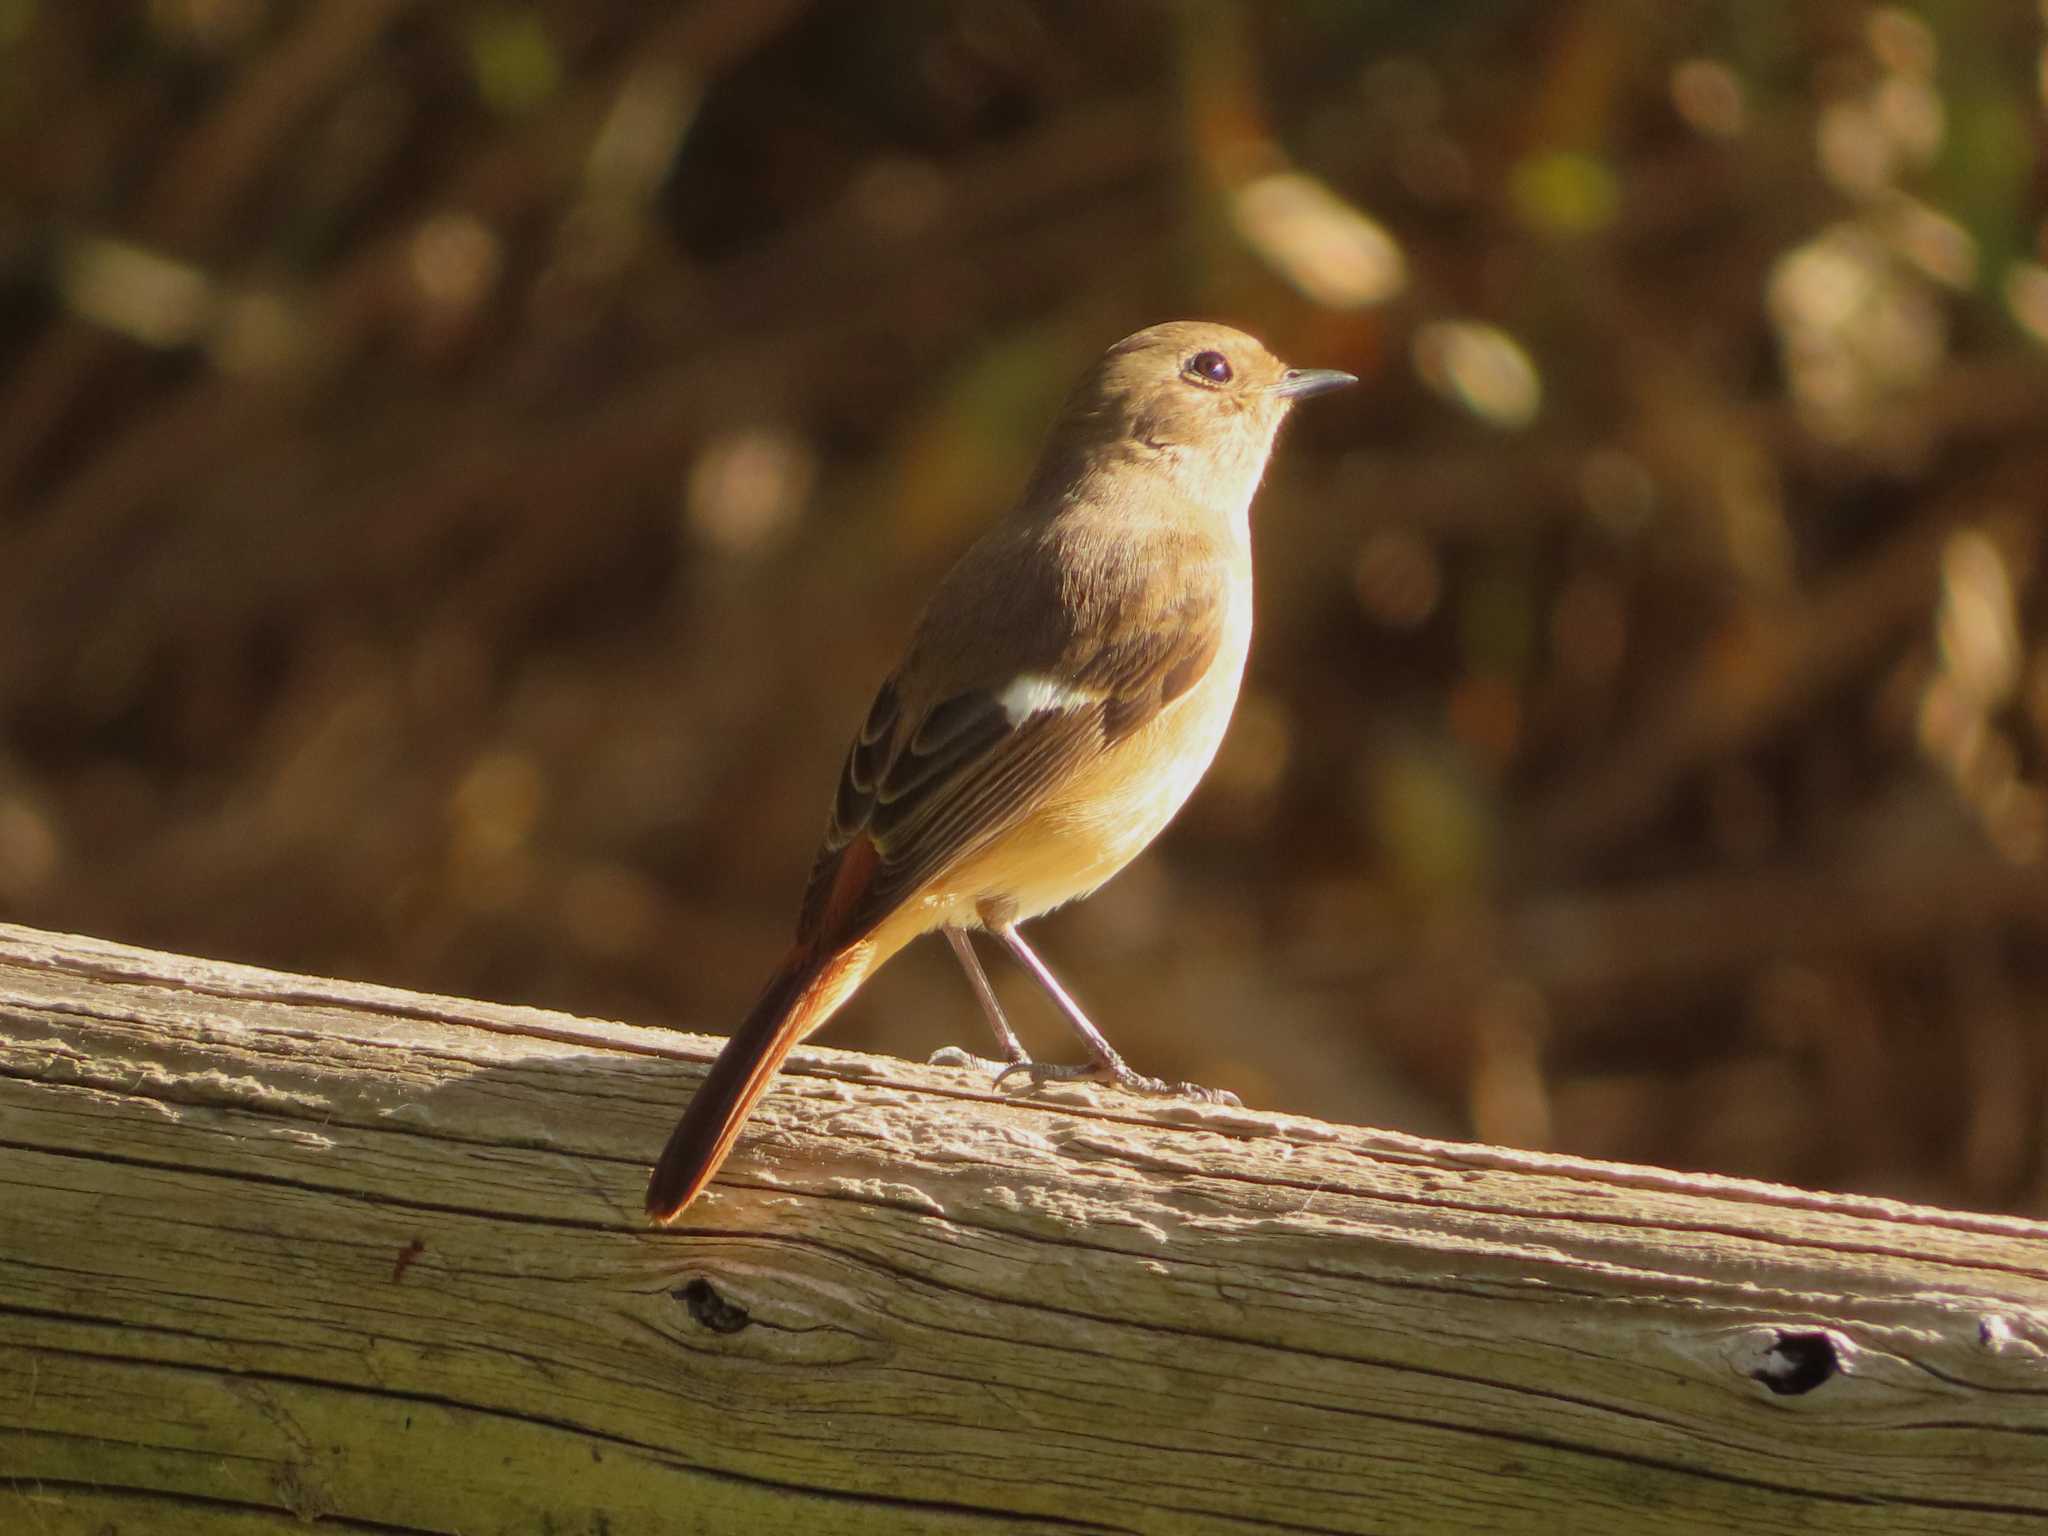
{"x": 954, "y": 1056}
{"x": 1119, "y": 1075}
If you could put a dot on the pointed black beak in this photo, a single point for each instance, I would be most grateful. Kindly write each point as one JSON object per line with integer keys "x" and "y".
{"x": 1300, "y": 383}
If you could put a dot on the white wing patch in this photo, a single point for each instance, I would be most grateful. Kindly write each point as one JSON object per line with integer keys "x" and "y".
{"x": 1033, "y": 692}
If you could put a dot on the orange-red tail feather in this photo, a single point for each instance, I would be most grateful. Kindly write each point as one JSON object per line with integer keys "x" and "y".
{"x": 805, "y": 990}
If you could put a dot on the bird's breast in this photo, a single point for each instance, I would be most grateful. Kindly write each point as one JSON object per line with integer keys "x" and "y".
{"x": 1106, "y": 815}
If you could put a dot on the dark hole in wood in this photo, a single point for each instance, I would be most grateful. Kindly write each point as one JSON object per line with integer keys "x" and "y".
{"x": 1798, "y": 1363}
{"x": 711, "y": 1310}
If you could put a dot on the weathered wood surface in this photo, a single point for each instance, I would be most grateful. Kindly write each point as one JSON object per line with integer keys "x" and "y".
{"x": 275, "y": 1249}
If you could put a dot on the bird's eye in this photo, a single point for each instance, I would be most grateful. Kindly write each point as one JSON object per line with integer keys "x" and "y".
{"x": 1213, "y": 366}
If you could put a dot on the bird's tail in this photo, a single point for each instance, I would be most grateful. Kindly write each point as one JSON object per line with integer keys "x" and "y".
{"x": 804, "y": 992}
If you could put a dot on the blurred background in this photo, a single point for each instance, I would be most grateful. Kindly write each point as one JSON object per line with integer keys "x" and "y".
{"x": 464, "y": 468}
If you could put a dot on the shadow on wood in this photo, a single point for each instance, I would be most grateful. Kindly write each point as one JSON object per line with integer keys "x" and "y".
{"x": 275, "y": 1249}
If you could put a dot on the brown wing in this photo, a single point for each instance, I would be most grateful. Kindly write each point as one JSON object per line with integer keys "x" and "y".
{"x": 916, "y": 795}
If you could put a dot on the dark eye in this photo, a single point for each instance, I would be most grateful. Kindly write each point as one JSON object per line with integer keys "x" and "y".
{"x": 1213, "y": 366}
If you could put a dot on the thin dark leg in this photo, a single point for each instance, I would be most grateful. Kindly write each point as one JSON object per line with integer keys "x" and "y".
{"x": 1006, "y": 1038}
{"x": 1106, "y": 1064}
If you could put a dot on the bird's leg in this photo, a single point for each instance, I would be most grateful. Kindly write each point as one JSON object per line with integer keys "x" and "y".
{"x": 1006, "y": 1038}
{"x": 1106, "y": 1065}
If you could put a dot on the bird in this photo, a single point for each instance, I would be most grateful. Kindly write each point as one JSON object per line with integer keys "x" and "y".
{"x": 1065, "y": 689}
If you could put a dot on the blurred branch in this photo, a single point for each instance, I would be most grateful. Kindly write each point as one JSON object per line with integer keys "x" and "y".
{"x": 360, "y": 299}
{"x": 203, "y": 181}
{"x": 1768, "y": 661}
{"x": 1594, "y": 952}
{"x": 210, "y": 173}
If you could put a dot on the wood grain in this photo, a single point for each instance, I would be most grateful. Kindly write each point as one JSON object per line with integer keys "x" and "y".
{"x": 275, "y": 1249}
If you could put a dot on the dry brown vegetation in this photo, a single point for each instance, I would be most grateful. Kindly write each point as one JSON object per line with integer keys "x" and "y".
{"x": 462, "y": 468}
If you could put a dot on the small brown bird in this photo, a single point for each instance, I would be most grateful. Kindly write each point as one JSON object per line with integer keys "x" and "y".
{"x": 1065, "y": 691}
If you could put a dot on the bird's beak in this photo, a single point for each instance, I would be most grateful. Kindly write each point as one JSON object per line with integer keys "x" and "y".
{"x": 1300, "y": 383}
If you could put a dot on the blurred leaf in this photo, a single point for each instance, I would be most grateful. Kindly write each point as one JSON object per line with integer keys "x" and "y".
{"x": 1993, "y": 104}
{"x": 512, "y": 59}
{"x": 16, "y": 17}
{"x": 1565, "y": 193}
{"x": 964, "y": 457}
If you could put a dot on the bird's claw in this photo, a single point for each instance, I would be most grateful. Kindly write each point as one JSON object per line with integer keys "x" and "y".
{"x": 954, "y": 1056}
{"x": 1117, "y": 1075}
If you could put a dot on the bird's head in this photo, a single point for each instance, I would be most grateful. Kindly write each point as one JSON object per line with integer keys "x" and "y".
{"x": 1200, "y": 401}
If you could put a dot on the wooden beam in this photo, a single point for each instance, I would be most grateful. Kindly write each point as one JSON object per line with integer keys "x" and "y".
{"x": 275, "y": 1249}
